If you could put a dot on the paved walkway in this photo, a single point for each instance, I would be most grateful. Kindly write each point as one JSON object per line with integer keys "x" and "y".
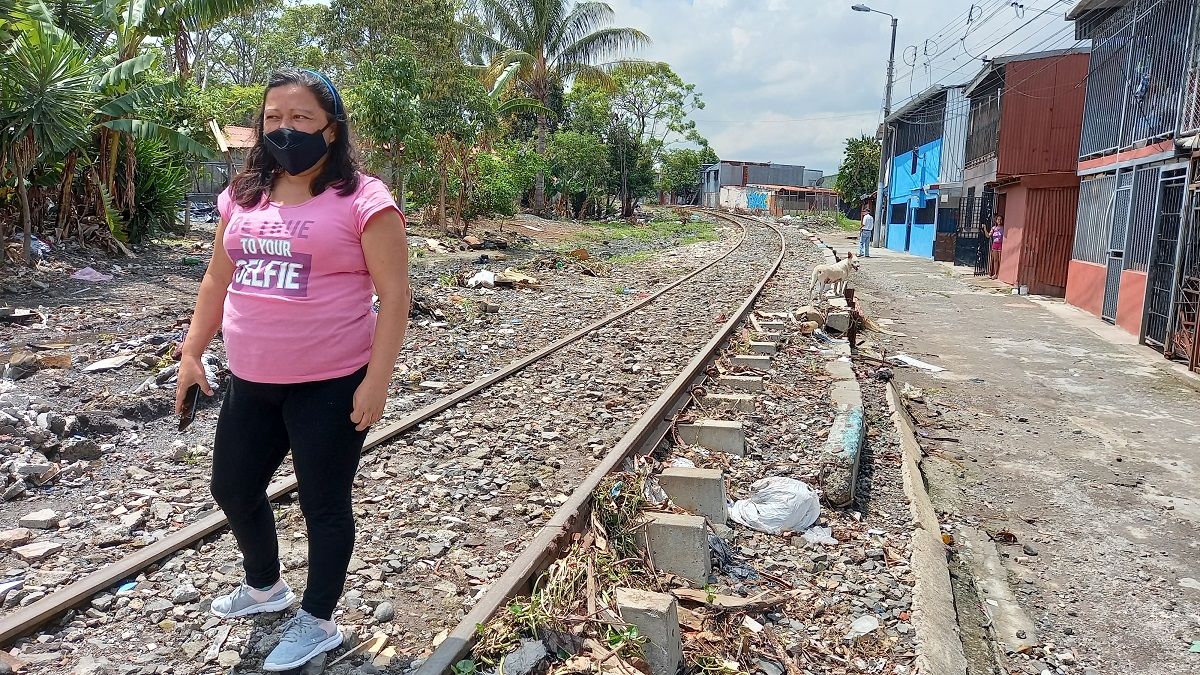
{"x": 1083, "y": 445}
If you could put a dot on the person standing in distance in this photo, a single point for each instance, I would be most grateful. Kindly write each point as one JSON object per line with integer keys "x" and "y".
{"x": 303, "y": 239}
{"x": 864, "y": 234}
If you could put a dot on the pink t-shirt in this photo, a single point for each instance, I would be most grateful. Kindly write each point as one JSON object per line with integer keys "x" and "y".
{"x": 299, "y": 306}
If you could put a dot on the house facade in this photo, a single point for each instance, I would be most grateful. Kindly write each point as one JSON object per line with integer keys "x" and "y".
{"x": 925, "y": 168}
{"x": 1022, "y": 151}
{"x": 1135, "y": 261}
{"x": 729, "y": 173}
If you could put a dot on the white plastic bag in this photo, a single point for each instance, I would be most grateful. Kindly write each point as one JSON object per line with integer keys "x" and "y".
{"x": 778, "y": 505}
{"x": 484, "y": 278}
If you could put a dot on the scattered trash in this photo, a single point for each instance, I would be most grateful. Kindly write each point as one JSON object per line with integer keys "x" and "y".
{"x": 1195, "y": 647}
{"x": 776, "y": 505}
{"x": 1188, "y": 582}
{"x": 511, "y": 277}
{"x": 917, "y": 363}
{"x": 21, "y": 316}
{"x": 482, "y": 278}
{"x": 111, "y": 363}
{"x": 819, "y": 535}
{"x": 89, "y": 274}
{"x": 683, "y": 463}
{"x": 472, "y": 241}
{"x": 863, "y": 625}
{"x": 579, "y": 254}
{"x": 726, "y": 560}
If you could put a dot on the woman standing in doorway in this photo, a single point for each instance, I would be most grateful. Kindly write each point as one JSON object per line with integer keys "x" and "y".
{"x": 303, "y": 240}
{"x": 996, "y": 232}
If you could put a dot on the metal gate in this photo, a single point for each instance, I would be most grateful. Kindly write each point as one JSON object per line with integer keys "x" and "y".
{"x": 1185, "y": 331}
{"x": 1116, "y": 245}
{"x": 1161, "y": 282}
{"x": 971, "y": 242}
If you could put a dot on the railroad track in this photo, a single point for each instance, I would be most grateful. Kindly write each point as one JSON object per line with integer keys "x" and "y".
{"x": 534, "y": 419}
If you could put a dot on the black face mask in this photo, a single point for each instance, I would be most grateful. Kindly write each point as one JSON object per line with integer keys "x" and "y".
{"x": 297, "y": 151}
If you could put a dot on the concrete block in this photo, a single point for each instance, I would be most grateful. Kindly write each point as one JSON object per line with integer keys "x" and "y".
{"x": 656, "y": 616}
{"x": 839, "y": 303}
{"x": 840, "y": 370}
{"x": 742, "y": 382}
{"x": 767, "y": 348}
{"x": 846, "y": 394}
{"x": 679, "y": 544}
{"x": 718, "y": 435}
{"x": 740, "y": 402}
{"x": 772, "y": 325}
{"x": 838, "y": 322}
{"x": 843, "y": 449}
{"x": 751, "y": 361}
{"x": 775, "y": 337}
{"x": 699, "y": 491}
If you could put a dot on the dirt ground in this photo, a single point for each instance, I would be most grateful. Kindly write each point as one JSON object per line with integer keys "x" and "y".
{"x": 1086, "y": 450}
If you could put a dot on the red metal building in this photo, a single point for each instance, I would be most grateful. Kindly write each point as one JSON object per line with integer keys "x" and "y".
{"x": 1022, "y": 151}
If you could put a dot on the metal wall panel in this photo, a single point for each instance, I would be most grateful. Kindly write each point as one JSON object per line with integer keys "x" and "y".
{"x": 760, "y": 175}
{"x": 1049, "y": 236}
{"x": 954, "y": 136}
{"x": 785, "y": 174}
{"x": 1092, "y": 219}
{"x": 813, "y": 176}
{"x": 1041, "y": 115}
{"x": 1140, "y": 234}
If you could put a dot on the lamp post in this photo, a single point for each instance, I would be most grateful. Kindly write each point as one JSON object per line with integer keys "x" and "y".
{"x": 887, "y": 111}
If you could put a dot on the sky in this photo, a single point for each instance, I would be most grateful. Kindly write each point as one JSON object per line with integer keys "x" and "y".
{"x": 788, "y": 81}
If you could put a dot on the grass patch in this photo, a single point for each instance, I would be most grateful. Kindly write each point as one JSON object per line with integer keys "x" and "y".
{"x": 654, "y": 231}
{"x": 848, "y": 224}
{"x": 629, "y": 258}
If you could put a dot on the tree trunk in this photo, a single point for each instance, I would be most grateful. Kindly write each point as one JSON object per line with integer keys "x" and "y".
{"x": 65, "y": 195}
{"x": 441, "y": 208}
{"x": 539, "y": 187}
{"x": 23, "y": 195}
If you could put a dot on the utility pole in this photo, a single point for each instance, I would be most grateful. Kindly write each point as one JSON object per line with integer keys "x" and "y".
{"x": 887, "y": 111}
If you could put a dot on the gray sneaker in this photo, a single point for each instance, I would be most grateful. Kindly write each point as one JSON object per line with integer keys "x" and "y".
{"x": 241, "y": 603}
{"x": 303, "y": 639}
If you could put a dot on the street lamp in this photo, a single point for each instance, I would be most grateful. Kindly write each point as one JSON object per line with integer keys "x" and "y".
{"x": 887, "y": 111}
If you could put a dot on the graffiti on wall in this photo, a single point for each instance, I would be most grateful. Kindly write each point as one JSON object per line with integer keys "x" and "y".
{"x": 756, "y": 200}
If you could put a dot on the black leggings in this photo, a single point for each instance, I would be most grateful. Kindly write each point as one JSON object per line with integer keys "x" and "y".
{"x": 257, "y": 425}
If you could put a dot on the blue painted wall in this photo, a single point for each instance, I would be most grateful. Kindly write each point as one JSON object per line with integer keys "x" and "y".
{"x": 910, "y": 187}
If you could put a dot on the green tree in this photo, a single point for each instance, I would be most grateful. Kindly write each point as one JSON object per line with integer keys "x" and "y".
{"x": 554, "y": 41}
{"x": 247, "y": 47}
{"x": 579, "y": 166}
{"x": 47, "y": 83}
{"x": 859, "y": 172}
{"x": 386, "y": 100}
{"x": 657, "y": 103}
{"x": 679, "y": 170}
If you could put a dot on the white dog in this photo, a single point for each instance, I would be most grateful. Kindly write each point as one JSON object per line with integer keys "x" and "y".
{"x": 836, "y": 274}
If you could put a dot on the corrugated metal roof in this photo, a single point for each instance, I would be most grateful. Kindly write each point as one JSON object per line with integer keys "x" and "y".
{"x": 916, "y": 101}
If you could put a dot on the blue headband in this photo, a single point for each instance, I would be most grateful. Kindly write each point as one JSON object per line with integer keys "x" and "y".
{"x": 338, "y": 110}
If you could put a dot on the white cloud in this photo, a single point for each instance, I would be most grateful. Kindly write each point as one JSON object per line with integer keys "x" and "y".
{"x": 762, "y": 64}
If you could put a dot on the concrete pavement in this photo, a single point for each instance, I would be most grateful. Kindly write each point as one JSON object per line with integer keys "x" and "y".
{"x": 1072, "y": 438}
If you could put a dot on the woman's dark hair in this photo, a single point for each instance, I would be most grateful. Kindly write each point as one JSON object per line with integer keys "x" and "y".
{"x": 341, "y": 167}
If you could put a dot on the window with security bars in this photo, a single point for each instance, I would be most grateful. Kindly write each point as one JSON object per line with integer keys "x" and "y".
{"x": 1137, "y": 75}
{"x": 1092, "y": 220}
{"x": 1140, "y": 233}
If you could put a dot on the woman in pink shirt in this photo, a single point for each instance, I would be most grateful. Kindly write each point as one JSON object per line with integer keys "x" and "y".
{"x": 303, "y": 241}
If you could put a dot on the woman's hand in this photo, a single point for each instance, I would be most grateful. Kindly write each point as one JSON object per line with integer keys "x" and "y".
{"x": 191, "y": 371}
{"x": 369, "y": 400}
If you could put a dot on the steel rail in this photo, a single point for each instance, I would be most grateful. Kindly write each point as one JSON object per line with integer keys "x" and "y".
{"x": 33, "y": 616}
{"x": 553, "y": 538}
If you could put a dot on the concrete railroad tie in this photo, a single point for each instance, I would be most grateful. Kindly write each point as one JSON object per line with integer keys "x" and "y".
{"x": 718, "y": 435}
{"x": 846, "y": 436}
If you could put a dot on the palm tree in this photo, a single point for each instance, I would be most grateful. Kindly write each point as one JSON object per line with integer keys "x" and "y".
{"x": 47, "y": 84}
{"x": 553, "y": 41}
